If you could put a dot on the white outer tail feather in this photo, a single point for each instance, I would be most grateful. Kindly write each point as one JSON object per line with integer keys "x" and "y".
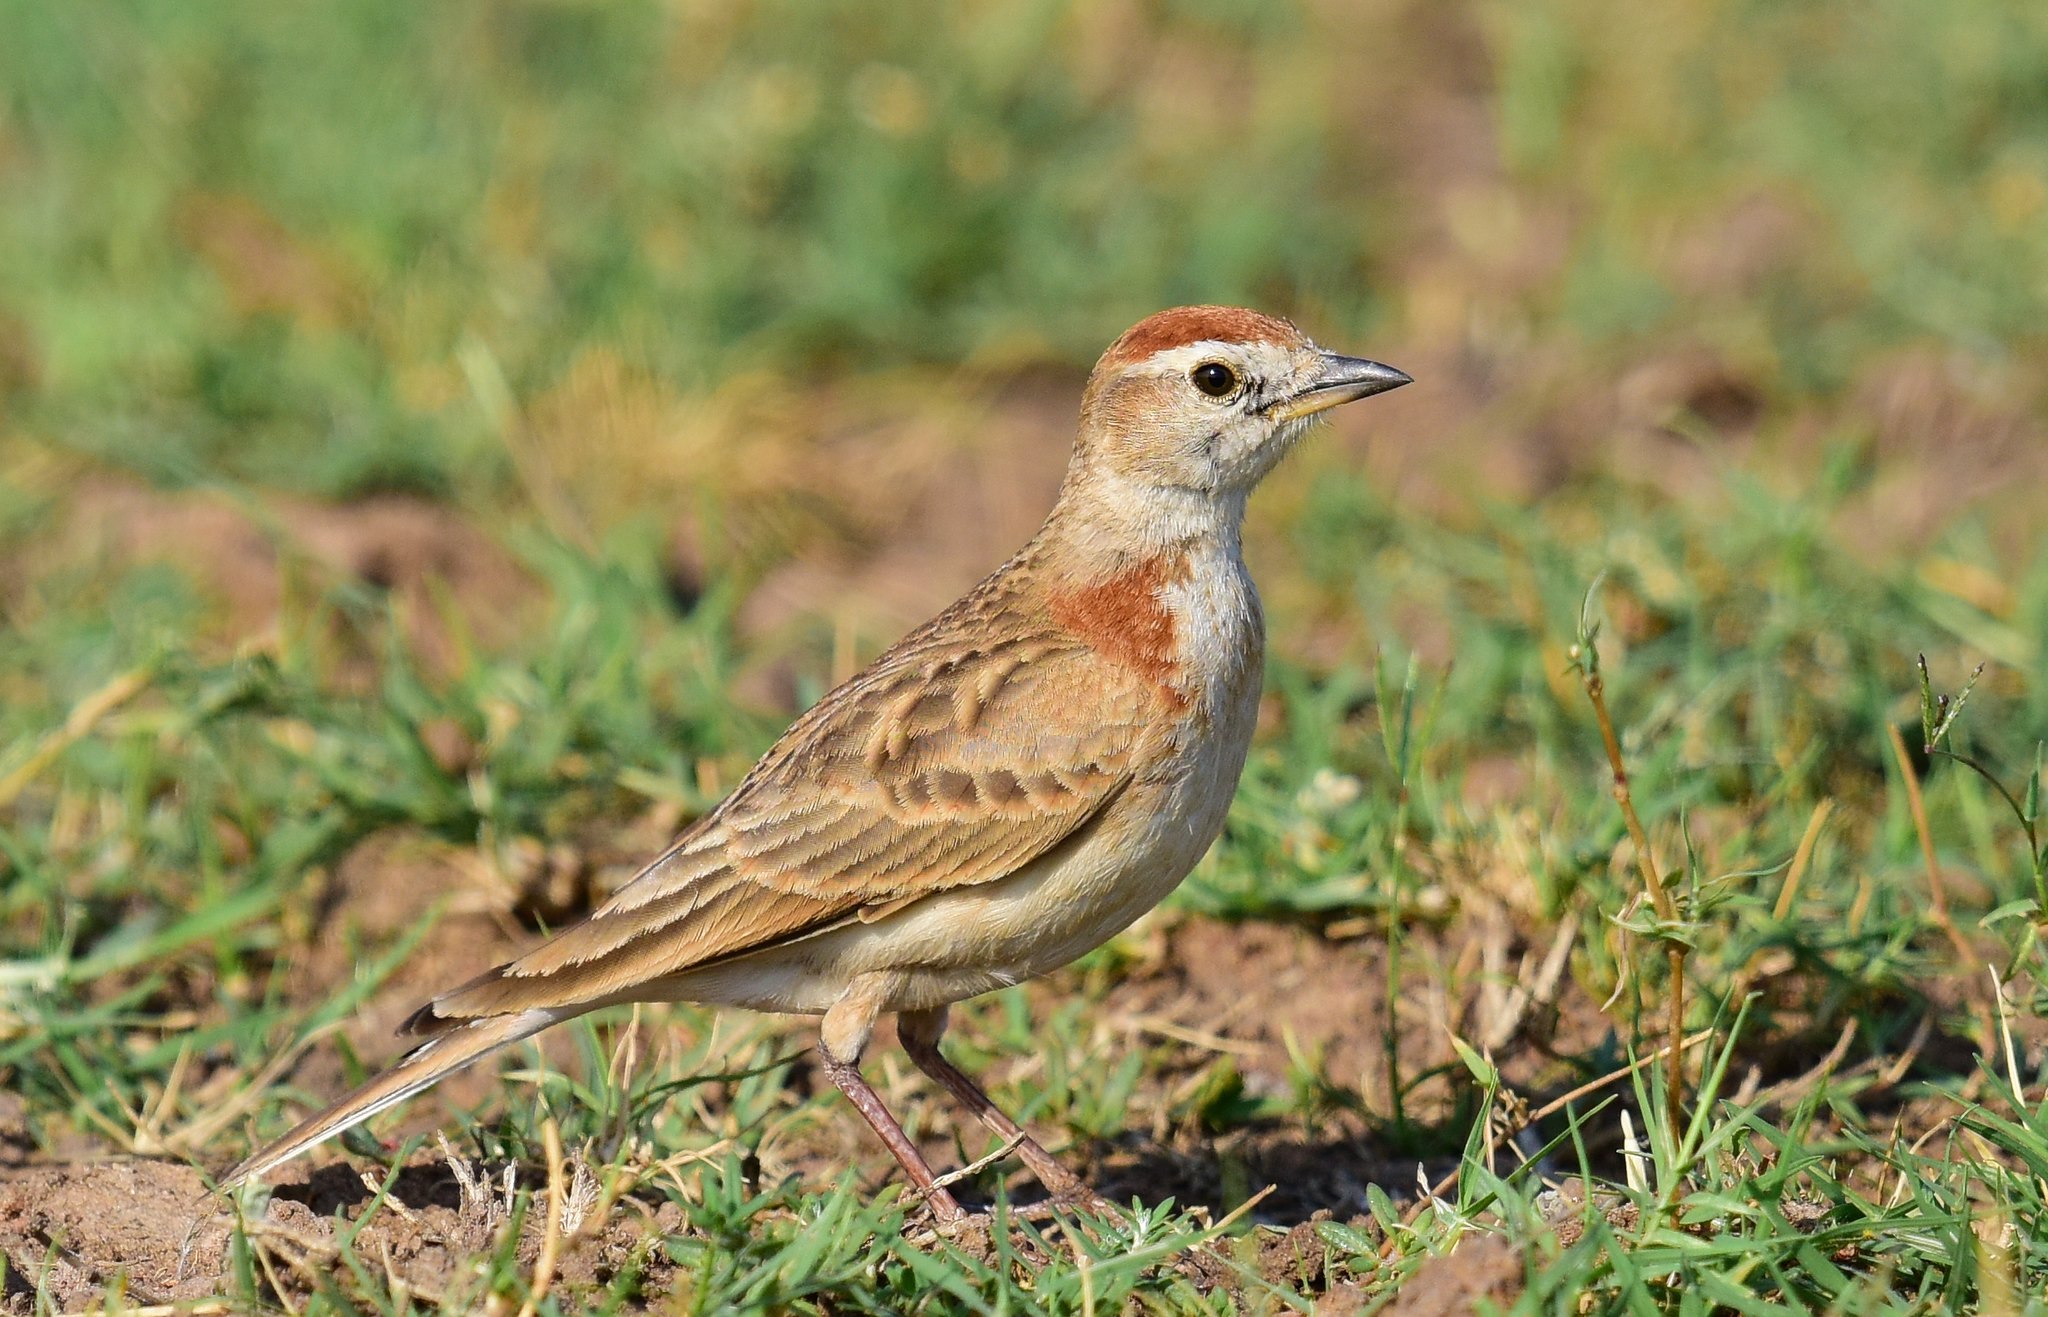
{"x": 421, "y": 1068}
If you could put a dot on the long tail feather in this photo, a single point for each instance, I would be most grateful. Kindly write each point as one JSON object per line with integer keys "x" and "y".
{"x": 427, "y": 1064}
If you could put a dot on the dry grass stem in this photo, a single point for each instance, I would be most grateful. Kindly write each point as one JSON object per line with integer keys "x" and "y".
{"x": 551, "y": 1241}
{"x": 78, "y": 724}
{"x": 978, "y": 1165}
{"x": 1653, "y": 883}
{"x": 1937, "y": 891}
{"x": 1789, "y": 893}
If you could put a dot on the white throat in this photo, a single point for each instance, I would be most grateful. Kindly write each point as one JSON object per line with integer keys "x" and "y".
{"x": 1142, "y": 520}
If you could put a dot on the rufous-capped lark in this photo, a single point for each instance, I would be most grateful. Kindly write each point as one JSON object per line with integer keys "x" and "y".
{"x": 1006, "y": 788}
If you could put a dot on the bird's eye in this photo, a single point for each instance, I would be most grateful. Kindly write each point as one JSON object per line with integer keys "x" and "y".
{"x": 1215, "y": 379}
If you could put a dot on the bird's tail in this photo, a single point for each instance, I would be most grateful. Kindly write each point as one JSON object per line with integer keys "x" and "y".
{"x": 456, "y": 1046}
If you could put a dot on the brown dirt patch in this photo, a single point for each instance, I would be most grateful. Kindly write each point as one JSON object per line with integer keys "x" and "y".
{"x": 77, "y": 1231}
{"x": 150, "y": 1229}
{"x": 1263, "y": 996}
{"x": 1269, "y": 993}
{"x": 1277, "y": 1003}
{"x": 249, "y": 556}
{"x": 1258, "y": 985}
{"x": 1298, "y": 1258}
{"x": 1482, "y": 1270}
{"x": 262, "y": 265}
{"x": 379, "y": 894}
{"x": 439, "y": 1217}
{"x": 17, "y": 1144}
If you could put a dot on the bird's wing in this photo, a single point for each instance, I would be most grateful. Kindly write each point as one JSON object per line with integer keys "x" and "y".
{"x": 946, "y": 763}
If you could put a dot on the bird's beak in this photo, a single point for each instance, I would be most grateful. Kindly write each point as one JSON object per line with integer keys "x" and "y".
{"x": 1341, "y": 380}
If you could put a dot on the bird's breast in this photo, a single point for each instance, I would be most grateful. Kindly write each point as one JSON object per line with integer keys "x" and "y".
{"x": 1160, "y": 827}
{"x": 1188, "y": 623}
{"x": 1196, "y": 634}
{"x": 1127, "y": 618}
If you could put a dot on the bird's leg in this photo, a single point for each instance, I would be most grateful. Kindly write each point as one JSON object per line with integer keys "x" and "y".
{"x": 840, "y": 1042}
{"x": 919, "y": 1032}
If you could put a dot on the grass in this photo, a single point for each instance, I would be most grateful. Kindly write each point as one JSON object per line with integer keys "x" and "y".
{"x": 408, "y": 410}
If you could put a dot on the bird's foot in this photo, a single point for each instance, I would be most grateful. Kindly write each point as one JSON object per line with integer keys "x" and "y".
{"x": 930, "y": 1221}
{"x": 939, "y": 1208}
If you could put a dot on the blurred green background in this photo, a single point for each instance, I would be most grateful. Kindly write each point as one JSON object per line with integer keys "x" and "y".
{"x": 327, "y": 247}
{"x": 772, "y": 281}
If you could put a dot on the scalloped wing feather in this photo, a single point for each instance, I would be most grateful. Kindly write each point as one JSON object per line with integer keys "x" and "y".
{"x": 947, "y": 763}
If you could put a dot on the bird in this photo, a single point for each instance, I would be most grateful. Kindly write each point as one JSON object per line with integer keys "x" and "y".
{"x": 1004, "y": 789}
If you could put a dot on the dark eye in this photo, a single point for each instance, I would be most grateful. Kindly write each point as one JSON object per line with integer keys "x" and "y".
{"x": 1215, "y": 379}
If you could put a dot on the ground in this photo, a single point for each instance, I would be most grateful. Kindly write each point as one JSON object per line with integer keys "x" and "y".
{"x": 433, "y": 478}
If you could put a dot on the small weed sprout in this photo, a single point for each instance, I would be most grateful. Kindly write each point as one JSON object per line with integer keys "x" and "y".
{"x": 1938, "y": 717}
{"x": 1403, "y": 742}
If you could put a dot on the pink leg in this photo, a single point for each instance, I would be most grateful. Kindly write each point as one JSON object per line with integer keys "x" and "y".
{"x": 920, "y": 1032}
{"x": 846, "y": 1077}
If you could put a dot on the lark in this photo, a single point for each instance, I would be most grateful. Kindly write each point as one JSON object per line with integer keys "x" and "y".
{"x": 1004, "y": 789}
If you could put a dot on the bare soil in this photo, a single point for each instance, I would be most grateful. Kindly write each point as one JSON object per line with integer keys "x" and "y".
{"x": 443, "y": 575}
{"x": 151, "y": 1230}
{"x": 1483, "y": 1268}
{"x": 79, "y": 1231}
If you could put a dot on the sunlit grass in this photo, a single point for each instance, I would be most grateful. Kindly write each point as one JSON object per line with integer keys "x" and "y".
{"x": 1732, "y": 311}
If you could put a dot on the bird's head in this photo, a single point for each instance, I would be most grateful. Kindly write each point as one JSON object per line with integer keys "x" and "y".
{"x": 1208, "y": 399}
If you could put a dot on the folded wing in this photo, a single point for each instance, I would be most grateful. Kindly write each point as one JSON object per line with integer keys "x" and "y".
{"x": 938, "y": 767}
